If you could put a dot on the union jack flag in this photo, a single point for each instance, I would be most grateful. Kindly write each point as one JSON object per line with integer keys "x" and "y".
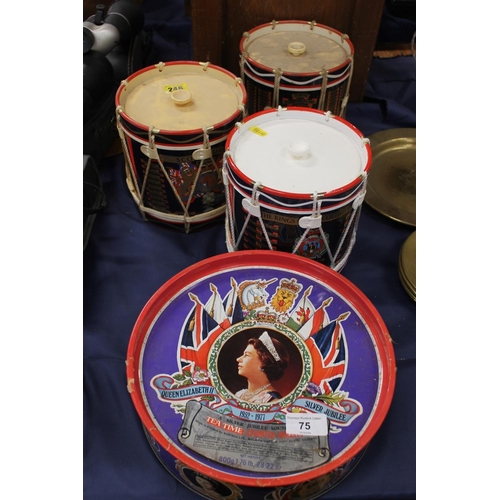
{"x": 329, "y": 353}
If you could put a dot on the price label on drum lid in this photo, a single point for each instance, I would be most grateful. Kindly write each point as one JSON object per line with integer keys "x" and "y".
{"x": 258, "y": 131}
{"x": 173, "y": 88}
{"x": 306, "y": 424}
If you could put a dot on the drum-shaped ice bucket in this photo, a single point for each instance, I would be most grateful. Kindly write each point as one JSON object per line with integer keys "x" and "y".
{"x": 296, "y": 63}
{"x": 173, "y": 120}
{"x": 295, "y": 182}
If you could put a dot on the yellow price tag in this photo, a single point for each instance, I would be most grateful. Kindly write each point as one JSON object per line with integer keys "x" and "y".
{"x": 258, "y": 131}
{"x": 173, "y": 88}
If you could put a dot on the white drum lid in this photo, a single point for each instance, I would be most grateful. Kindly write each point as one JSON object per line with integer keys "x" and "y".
{"x": 298, "y": 155}
{"x": 276, "y": 50}
{"x": 152, "y": 102}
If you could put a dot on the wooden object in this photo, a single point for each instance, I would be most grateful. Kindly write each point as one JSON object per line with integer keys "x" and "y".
{"x": 218, "y": 26}
{"x": 389, "y": 50}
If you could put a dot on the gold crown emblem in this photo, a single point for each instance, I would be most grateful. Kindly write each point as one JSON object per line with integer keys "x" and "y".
{"x": 291, "y": 285}
{"x": 266, "y": 316}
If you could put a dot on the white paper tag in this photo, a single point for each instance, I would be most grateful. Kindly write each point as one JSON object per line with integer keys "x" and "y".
{"x": 306, "y": 424}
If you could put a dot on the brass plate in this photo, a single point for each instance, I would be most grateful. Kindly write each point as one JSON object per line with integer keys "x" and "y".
{"x": 408, "y": 265}
{"x": 391, "y": 187}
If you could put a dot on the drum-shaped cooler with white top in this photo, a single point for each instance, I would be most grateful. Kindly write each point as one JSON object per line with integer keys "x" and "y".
{"x": 295, "y": 182}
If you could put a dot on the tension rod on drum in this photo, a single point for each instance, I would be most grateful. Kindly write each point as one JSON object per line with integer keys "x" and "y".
{"x": 345, "y": 100}
{"x": 253, "y": 208}
{"x": 277, "y": 77}
{"x": 129, "y": 172}
{"x": 357, "y": 202}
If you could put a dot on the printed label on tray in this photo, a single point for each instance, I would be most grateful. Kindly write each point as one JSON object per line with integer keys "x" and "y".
{"x": 261, "y": 371}
{"x": 306, "y": 425}
{"x": 249, "y": 446}
{"x": 172, "y": 88}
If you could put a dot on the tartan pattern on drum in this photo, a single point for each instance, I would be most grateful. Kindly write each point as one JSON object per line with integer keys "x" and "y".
{"x": 254, "y": 237}
{"x": 155, "y": 189}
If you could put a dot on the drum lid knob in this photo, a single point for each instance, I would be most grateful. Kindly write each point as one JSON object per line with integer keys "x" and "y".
{"x": 298, "y": 149}
{"x": 181, "y": 97}
{"x": 296, "y": 48}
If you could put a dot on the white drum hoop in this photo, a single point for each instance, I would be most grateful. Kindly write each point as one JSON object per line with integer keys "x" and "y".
{"x": 295, "y": 85}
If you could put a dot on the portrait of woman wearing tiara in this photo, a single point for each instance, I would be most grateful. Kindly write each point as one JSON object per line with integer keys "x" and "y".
{"x": 263, "y": 362}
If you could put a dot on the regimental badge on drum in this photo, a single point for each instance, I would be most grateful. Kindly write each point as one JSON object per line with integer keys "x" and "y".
{"x": 208, "y": 184}
{"x": 313, "y": 246}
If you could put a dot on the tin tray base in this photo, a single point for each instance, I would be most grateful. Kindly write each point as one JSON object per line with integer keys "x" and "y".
{"x": 325, "y": 372}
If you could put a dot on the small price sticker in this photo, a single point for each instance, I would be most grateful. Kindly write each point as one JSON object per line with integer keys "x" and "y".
{"x": 258, "y": 131}
{"x": 173, "y": 88}
{"x": 306, "y": 424}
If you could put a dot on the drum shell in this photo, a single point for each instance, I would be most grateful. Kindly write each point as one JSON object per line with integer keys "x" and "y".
{"x": 164, "y": 199}
{"x": 260, "y": 96}
{"x": 178, "y": 162}
{"x": 296, "y": 89}
{"x": 283, "y": 227}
